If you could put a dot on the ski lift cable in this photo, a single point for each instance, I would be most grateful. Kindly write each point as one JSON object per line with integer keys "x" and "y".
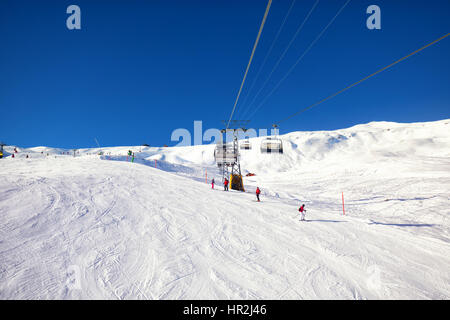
{"x": 251, "y": 58}
{"x": 363, "y": 79}
{"x": 98, "y": 145}
{"x": 268, "y": 53}
{"x": 284, "y": 53}
{"x": 299, "y": 59}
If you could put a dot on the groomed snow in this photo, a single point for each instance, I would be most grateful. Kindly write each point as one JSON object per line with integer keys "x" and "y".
{"x": 101, "y": 227}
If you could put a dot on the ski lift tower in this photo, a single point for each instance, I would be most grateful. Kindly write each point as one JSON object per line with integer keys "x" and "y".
{"x": 227, "y": 155}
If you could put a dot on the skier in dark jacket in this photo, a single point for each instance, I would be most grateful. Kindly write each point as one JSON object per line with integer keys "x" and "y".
{"x": 258, "y": 192}
{"x": 212, "y": 183}
{"x": 302, "y": 212}
{"x": 225, "y": 185}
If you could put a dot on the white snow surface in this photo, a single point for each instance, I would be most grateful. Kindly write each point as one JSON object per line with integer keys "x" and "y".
{"x": 102, "y": 227}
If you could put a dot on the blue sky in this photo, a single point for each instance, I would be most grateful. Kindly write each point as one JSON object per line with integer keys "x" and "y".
{"x": 137, "y": 70}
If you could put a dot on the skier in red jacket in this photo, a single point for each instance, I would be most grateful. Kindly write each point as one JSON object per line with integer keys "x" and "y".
{"x": 258, "y": 192}
{"x": 225, "y": 185}
{"x": 302, "y": 212}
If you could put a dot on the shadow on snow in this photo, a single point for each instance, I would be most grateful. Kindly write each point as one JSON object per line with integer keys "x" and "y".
{"x": 334, "y": 221}
{"x": 402, "y": 224}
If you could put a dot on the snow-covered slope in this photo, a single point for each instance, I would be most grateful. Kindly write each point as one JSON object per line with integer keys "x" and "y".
{"x": 102, "y": 227}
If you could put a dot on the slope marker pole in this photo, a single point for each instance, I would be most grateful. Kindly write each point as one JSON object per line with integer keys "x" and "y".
{"x": 343, "y": 208}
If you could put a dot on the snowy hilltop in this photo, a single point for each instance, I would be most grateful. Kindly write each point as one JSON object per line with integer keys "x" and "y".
{"x": 92, "y": 224}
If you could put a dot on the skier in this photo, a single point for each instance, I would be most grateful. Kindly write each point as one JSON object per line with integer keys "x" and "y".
{"x": 257, "y": 193}
{"x": 212, "y": 183}
{"x": 12, "y": 155}
{"x": 302, "y": 212}
{"x": 225, "y": 185}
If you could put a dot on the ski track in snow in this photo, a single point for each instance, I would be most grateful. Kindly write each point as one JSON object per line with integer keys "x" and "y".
{"x": 95, "y": 227}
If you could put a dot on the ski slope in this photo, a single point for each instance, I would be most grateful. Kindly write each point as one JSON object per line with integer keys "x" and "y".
{"x": 101, "y": 227}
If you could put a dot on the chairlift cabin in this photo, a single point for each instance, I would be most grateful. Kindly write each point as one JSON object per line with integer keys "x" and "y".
{"x": 272, "y": 145}
{"x": 246, "y": 145}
